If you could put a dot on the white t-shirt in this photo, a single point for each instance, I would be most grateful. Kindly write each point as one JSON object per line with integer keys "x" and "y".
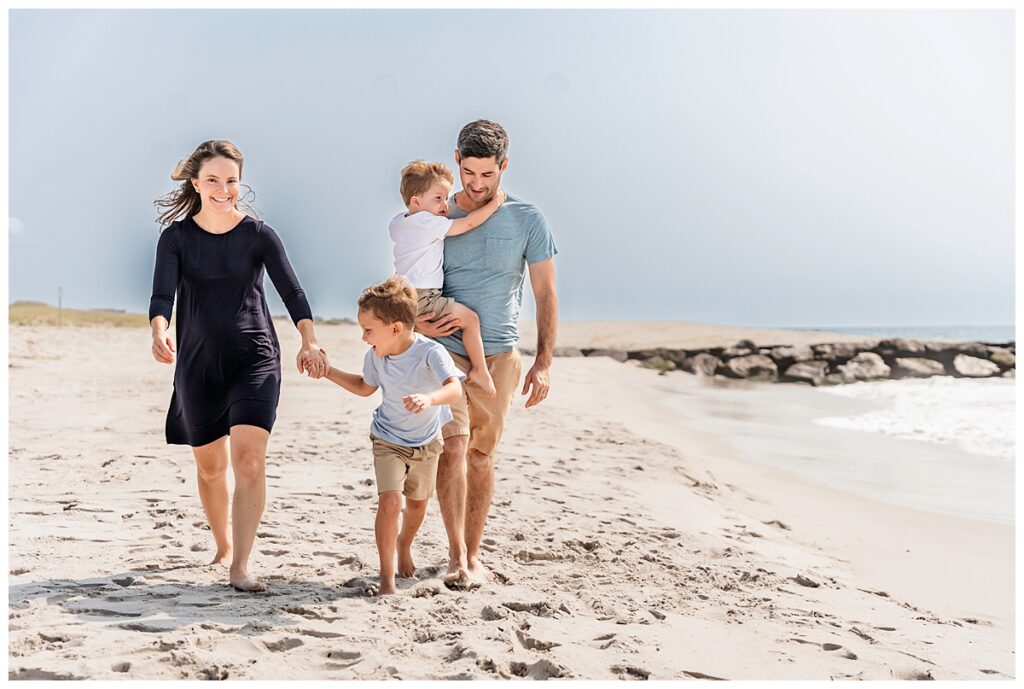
{"x": 419, "y": 247}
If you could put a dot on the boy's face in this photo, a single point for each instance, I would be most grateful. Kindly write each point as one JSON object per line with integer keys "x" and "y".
{"x": 433, "y": 200}
{"x": 380, "y": 335}
{"x": 480, "y": 177}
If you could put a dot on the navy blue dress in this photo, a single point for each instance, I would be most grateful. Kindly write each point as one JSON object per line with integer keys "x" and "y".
{"x": 228, "y": 358}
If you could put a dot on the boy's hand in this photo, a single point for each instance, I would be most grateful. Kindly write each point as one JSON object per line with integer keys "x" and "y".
{"x": 499, "y": 197}
{"x": 416, "y": 403}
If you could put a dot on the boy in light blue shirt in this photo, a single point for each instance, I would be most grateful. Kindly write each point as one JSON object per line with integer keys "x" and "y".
{"x": 418, "y": 380}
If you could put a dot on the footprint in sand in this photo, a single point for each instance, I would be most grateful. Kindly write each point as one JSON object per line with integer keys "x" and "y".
{"x": 285, "y": 644}
{"x": 542, "y": 669}
{"x": 630, "y": 672}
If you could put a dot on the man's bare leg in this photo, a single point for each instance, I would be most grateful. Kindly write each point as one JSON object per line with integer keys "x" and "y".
{"x": 479, "y": 489}
{"x": 212, "y": 477}
{"x": 451, "y": 496}
{"x": 411, "y": 520}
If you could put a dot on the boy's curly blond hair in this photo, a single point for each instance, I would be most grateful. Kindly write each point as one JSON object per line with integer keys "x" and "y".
{"x": 392, "y": 301}
{"x": 418, "y": 175}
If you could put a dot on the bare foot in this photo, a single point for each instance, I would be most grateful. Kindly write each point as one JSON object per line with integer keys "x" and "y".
{"x": 406, "y": 568}
{"x": 223, "y": 557}
{"x": 387, "y": 586}
{"x": 457, "y": 575}
{"x": 243, "y": 582}
{"x": 481, "y": 377}
{"x": 478, "y": 573}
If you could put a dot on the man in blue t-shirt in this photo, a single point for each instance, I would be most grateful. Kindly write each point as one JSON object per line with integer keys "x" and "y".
{"x": 484, "y": 269}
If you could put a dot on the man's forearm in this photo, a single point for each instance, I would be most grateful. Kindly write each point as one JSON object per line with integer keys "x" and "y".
{"x": 547, "y": 327}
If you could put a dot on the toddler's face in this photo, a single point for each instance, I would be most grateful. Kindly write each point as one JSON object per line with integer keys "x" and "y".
{"x": 435, "y": 199}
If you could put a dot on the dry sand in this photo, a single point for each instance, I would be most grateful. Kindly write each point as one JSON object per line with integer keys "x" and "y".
{"x": 628, "y": 545}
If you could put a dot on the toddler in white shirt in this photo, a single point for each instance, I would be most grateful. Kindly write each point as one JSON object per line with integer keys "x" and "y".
{"x": 419, "y": 252}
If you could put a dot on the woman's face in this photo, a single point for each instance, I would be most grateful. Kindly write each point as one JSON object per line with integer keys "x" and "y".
{"x": 218, "y": 184}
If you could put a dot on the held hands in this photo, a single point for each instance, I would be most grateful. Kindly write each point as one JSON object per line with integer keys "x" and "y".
{"x": 312, "y": 360}
{"x": 539, "y": 378}
{"x": 163, "y": 346}
{"x": 417, "y": 403}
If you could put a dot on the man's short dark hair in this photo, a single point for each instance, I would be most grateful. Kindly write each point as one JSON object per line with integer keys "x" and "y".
{"x": 483, "y": 139}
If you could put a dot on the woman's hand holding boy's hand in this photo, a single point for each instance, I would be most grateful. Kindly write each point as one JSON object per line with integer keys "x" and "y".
{"x": 312, "y": 360}
{"x": 417, "y": 403}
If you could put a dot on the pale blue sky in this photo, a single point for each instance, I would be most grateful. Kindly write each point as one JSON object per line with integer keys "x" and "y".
{"x": 748, "y": 167}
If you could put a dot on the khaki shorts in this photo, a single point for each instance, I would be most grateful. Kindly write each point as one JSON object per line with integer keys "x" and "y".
{"x": 431, "y": 302}
{"x": 483, "y": 418}
{"x": 411, "y": 470}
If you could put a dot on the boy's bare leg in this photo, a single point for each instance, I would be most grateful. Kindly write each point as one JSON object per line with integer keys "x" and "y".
{"x": 479, "y": 490}
{"x": 451, "y": 496}
{"x": 248, "y": 462}
{"x": 471, "y": 338}
{"x": 385, "y": 527}
{"x": 411, "y": 520}
{"x": 212, "y": 476}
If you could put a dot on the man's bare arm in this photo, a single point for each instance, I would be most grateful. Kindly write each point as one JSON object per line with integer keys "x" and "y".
{"x": 542, "y": 280}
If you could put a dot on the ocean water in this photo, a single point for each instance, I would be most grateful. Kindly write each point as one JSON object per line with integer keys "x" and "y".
{"x": 940, "y": 333}
{"x": 976, "y": 415}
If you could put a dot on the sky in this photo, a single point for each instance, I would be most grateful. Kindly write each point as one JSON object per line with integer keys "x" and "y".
{"x": 749, "y": 167}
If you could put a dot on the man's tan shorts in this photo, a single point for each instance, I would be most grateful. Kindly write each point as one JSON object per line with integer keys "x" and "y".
{"x": 431, "y": 302}
{"x": 483, "y": 418}
{"x": 411, "y": 470}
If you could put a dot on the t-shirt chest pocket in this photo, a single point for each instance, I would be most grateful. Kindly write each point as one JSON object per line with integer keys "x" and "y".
{"x": 502, "y": 253}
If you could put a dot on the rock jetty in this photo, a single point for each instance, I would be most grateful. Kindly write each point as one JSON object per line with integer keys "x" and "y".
{"x": 826, "y": 363}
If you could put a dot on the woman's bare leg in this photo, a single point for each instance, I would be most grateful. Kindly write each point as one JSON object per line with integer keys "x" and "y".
{"x": 248, "y": 461}
{"x": 212, "y": 476}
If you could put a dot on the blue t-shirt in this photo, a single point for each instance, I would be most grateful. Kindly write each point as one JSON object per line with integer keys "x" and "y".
{"x": 484, "y": 269}
{"x": 420, "y": 369}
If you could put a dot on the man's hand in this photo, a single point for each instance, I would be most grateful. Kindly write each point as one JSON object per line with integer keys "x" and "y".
{"x": 445, "y": 325}
{"x": 539, "y": 379}
{"x": 416, "y": 403}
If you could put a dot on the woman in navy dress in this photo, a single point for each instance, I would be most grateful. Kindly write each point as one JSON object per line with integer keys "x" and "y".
{"x": 228, "y": 377}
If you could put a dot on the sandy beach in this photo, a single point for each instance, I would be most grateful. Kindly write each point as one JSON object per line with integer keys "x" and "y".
{"x": 632, "y": 539}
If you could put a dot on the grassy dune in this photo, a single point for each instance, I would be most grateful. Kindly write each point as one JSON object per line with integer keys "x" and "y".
{"x": 38, "y": 313}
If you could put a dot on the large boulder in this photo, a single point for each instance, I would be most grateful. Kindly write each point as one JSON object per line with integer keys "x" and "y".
{"x": 784, "y": 356}
{"x": 616, "y": 354}
{"x": 567, "y": 351}
{"x": 864, "y": 366}
{"x": 741, "y": 348}
{"x": 839, "y": 352}
{"x": 1002, "y": 356}
{"x": 975, "y": 349}
{"x": 702, "y": 364}
{"x": 812, "y": 372}
{"x": 916, "y": 367}
{"x": 900, "y": 347}
{"x": 751, "y": 367}
{"x": 973, "y": 367}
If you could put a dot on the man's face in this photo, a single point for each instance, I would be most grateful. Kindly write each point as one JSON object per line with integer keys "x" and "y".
{"x": 480, "y": 177}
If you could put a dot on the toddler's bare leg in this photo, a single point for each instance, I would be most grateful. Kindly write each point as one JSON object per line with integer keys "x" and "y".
{"x": 414, "y": 511}
{"x": 389, "y": 506}
{"x": 478, "y": 374}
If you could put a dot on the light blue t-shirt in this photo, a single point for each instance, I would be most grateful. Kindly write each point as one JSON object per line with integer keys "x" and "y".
{"x": 420, "y": 369}
{"x": 484, "y": 269}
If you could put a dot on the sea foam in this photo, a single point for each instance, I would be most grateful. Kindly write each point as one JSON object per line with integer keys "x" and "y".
{"x": 976, "y": 414}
